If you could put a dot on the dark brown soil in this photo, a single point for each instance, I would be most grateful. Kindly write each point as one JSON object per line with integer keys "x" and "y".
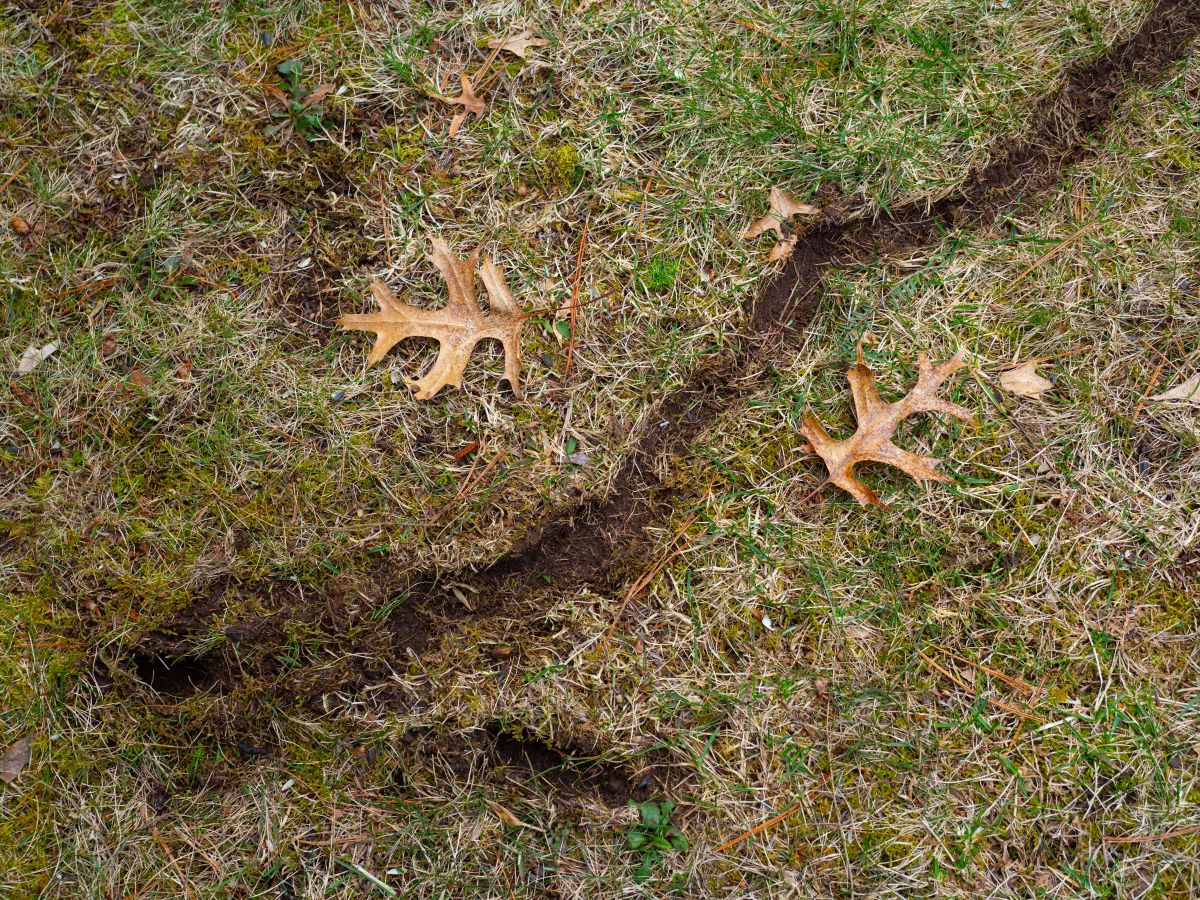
{"x": 176, "y": 676}
{"x": 567, "y": 769}
{"x": 601, "y": 542}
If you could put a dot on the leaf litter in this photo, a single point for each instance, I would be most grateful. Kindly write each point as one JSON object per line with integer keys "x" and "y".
{"x": 783, "y": 208}
{"x": 34, "y": 357}
{"x": 15, "y": 758}
{"x": 470, "y": 102}
{"x": 1185, "y": 392}
{"x": 517, "y": 44}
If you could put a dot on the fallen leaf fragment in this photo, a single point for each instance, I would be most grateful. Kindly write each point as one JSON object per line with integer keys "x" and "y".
{"x": 319, "y": 93}
{"x": 1187, "y": 392}
{"x": 877, "y": 423}
{"x": 1024, "y": 380}
{"x": 457, "y": 327}
{"x": 34, "y": 357}
{"x": 468, "y": 100}
{"x": 517, "y": 44}
{"x": 505, "y": 816}
{"x": 782, "y": 249}
{"x": 138, "y": 378}
{"x": 15, "y": 758}
{"x": 466, "y": 451}
{"x": 783, "y": 207}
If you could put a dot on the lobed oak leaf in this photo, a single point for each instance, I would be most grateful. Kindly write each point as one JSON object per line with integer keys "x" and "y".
{"x": 517, "y": 44}
{"x": 457, "y": 327}
{"x": 783, "y": 207}
{"x": 877, "y": 423}
{"x": 467, "y": 99}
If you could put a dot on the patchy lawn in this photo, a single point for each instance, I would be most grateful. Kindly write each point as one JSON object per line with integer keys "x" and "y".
{"x": 277, "y": 628}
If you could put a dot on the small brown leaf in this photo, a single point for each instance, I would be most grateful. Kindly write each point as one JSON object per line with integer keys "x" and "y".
{"x": 468, "y": 100}
{"x": 15, "y": 758}
{"x": 319, "y": 93}
{"x": 138, "y": 378}
{"x": 782, "y": 249}
{"x": 1186, "y": 392}
{"x": 466, "y": 451}
{"x": 20, "y": 393}
{"x": 877, "y": 423}
{"x": 33, "y": 357}
{"x": 783, "y": 207}
{"x": 109, "y": 347}
{"x": 517, "y": 44}
{"x": 505, "y": 816}
{"x": 20, "y": 226}
{"x": 457, "y": 327}
{"x": 1024, "y": 380}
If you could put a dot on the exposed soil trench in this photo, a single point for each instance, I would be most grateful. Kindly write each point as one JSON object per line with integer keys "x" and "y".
{"x": 601, "y": 542}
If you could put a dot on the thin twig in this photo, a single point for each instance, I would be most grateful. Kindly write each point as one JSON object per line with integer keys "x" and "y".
{"x": 774, "y": 820}
{"x": 87, "y": 285}
{"x": 58, "y": 12}
{"x": 649, "y": 575}
{"x": 754, "y": 26}
{"x": 387, "y": 218}
{"x": 1000, "y": 704}
{"x": 1050, "y": 254}
{"x": 1010, "y": 680}
{"x": 1021, "y": 724}
{"x": 1148, "y": 838}
{"x": 1137, "y": 410}
{"x": 574, "y": 307}
{"x": 13, "y": 177}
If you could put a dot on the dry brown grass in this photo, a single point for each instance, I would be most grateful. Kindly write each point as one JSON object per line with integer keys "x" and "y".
{"x": 969, "y": 695}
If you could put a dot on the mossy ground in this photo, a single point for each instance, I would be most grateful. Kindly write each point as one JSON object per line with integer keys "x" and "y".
{"x": 785, "y": 659}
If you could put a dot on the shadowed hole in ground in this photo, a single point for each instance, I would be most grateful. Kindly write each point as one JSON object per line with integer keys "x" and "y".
{"x": 567, "y": 769}
{"x": 178, "y": 676}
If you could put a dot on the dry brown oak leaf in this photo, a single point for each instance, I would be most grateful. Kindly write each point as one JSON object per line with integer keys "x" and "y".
{"x": 877, "y": 422}
{"x": 468, "y": 100}
{"x": 457, "y": 327}
{"x": 517, "y": 44}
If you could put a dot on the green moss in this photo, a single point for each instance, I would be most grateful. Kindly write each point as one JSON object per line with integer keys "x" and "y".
{"x": 558, "y": 167}
{"x": 405, "y": 146}
{"x": 247, "y": 139}
{"x": 659, "y": 275}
